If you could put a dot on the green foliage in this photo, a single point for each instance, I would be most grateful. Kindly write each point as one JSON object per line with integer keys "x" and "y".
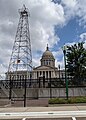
{"x": 69, "y": 101}
{"x": 57, "y": 101}
{"x": 76, "y": 62}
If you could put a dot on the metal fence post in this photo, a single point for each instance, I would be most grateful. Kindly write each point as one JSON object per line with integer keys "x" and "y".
{"x": 10, "y": 89}
{"x": 25, "y": 93}
{"x": 43, "y": 81}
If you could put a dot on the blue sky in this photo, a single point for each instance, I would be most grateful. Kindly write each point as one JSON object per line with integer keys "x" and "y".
{"x": 53, "y": 23}
{"x": 70, "y": 32}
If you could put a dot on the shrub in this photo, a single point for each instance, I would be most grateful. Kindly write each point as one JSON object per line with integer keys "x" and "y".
{"x": 57, "y": 101}
{"x": 71, "y": 100}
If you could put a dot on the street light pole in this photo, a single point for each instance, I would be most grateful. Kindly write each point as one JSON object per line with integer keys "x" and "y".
{"x": 66, "y": 81}
{"x": 59, "y": 75}
{"x": 59, "y": 71}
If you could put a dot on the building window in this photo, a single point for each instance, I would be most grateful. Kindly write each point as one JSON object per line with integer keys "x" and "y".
{"x": 49, "y": 62}
{"x": 40, "y": 73}
{"x": 46, "y": 74}
{"x": 49, "y": 74}
{"x": 46, "y": 62}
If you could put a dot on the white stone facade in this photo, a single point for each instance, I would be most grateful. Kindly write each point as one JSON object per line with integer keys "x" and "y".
{"x": 47, "y": 67}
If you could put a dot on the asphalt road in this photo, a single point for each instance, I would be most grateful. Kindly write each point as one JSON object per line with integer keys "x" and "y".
{"x": 49, "y": 115}
{"x": 73, "y": 112}
{"x": 79, "y": 118}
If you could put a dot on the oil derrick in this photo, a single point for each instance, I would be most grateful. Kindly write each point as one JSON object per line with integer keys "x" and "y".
{"x": 21, "y": 57}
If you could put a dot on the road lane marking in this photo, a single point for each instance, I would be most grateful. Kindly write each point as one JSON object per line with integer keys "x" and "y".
{"x": 44, "y": 114}
{"x": 73, "y": 118}
{"x": 24, "y": 119}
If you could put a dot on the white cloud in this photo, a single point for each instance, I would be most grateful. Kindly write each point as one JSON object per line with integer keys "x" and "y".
{"x": 70, "y": 8}
{"x": 61, "y": 63}
{"x": 36, "y": 62}
{"x": 59, "y": 59}
{"x": 75, "y": 8}
{"x": 81, "y": 12}
{"x": 83, "y": 38}
{"x": 69, "y": 3}
{"x": 44, "y": 16}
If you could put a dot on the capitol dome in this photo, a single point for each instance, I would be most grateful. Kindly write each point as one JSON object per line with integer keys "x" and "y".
{"x": 48, "y": 58}
{"x": 47, "y": 54}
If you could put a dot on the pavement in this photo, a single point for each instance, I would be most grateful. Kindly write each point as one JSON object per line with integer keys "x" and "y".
{"x": 59, "y": 111}
{"x": 72, "y": 107}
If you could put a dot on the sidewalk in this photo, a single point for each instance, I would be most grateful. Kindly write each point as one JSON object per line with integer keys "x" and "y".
{"x": 44, "y": 109}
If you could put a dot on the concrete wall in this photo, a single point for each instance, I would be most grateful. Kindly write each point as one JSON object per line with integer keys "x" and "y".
{"x": 47, "y": 92}
{"x": 61, "y": 92}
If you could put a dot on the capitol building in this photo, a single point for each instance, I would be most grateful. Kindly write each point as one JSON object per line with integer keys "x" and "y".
{"x": 47, "y": 69}
{"x": 47, "y": 66}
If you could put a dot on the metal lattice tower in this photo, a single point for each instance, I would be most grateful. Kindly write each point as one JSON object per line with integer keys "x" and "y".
{"x": 21, "y": 57}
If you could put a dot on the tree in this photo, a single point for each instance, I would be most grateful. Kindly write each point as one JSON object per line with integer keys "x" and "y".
{"x": 76, "y": 62}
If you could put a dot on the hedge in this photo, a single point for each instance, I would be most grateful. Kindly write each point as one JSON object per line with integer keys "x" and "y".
{"x": 71, "y": 100}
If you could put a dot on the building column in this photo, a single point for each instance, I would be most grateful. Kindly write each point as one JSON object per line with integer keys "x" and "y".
{"x": 53, "y": 74}
{"x": 38, "y": 74}
{"x": 33, "y": 76}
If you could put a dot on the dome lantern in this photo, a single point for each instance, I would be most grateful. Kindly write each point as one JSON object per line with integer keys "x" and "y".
{"x": 47, "y": 48}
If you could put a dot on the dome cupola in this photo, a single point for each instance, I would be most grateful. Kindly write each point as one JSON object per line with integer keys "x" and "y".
{"x": 47, "y": 58}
